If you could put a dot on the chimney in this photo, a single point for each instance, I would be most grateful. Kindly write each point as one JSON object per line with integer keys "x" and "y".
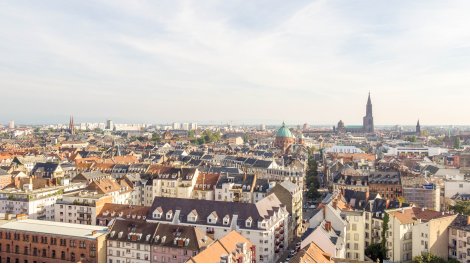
{"x": 367, "y": 195}
{"x": 468, "y": 219}
{"x": 328, "y": 226}
{"x": 335, "y": 203}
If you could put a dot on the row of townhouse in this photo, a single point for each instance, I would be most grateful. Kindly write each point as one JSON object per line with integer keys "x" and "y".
{"x": 131, "y": 241}
{"x": 264, "y": 223}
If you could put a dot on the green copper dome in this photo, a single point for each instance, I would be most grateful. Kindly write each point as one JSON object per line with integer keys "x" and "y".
{"x": 284, "y": 132}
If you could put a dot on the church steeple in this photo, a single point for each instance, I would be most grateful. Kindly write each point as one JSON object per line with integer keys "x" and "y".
{"x": 71, "y": 126}
{"x": 418, "y": 128}
{"x": 368, "y": 120}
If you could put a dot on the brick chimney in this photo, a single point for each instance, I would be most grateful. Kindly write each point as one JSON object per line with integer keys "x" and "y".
{"x": 328, "y": 226}
{"x": 468, "y": 219}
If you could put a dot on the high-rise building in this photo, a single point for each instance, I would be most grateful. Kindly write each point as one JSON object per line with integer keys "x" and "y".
{"x": 11, "y": 124}
{"x": 368, "y": 120}
{"x": 176, "y": 126}
{"x": 185, "y": 126}
{"x": 110, "y": 124}
{"x": 193, "y": 126}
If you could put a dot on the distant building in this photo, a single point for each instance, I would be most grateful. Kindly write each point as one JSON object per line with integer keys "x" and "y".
{"x": 11, "y": 124}
{"x": 368, "y": 120}
{"x": 109, "y": 124}
{"x": 418, "y": 129}
{"x": 284, "y": 138}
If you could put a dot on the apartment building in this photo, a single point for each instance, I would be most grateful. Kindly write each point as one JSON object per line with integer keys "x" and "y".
{"x": 46, "y": 241}
{"x": 80, "y": 207}
{"x": 235, "y": 188}
{"x": 174, "y": 182}
{"x": 385, "y": 183}
{"x": 426, "y": 195}
{"x": 129, "y": 241}
{"x": 177, "y": 243}
{"x": 355, "y": 232}
{"x": 204, "y": 188}
{"x": 263, "y": 223}
{"x": 111, "y": 211}
{"x": 36, "y": 203}
{"x": 119, "y": 190}
{"x": 141, "y": 242}
{"x": 459, "y": 239}
{"x": 232, "y": 248}
{"x": 413, "y": 231}
{"x": 291, "y": 195}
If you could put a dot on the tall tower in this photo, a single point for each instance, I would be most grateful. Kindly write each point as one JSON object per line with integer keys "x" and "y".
{"x": 368, "y": 120}
{"x": 71, "y": 126}
{"x": 418, "y": 129}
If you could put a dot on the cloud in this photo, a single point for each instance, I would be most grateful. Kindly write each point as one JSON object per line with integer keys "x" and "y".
{"x": 244, "y": 61}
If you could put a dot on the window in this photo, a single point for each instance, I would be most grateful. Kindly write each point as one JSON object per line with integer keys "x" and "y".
{"x": 26, "y": 250}
{"x": 72, "y": 243}
{"x": 82, "y": 244}
{"x": 72, "y": 257}
{"x": 44, "y": 253}
{"x": 35, "y": 251}
{"x": 8, "y": 248}
{"x": 53, "y": 241}
{"x": 53, "y": 254}
{"x": 62, "y": 255}
{"x": 17, "y": 249}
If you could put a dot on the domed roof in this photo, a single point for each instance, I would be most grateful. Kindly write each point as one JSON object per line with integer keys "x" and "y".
{"x": 284, "y": 132}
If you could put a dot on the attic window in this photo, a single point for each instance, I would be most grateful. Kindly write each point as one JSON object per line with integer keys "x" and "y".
{"x": 226, "y": 220}
{"x": 248, "y": 222}
{"x": 168, "y": 215}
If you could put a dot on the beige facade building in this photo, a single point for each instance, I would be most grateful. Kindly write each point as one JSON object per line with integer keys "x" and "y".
{"x": 413, "y": 231}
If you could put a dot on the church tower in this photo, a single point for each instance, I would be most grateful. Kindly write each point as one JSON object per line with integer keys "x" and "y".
{"x": 71, "y": 126}
{"x": 418, "y": 129}
{"x": 368, "y": 120}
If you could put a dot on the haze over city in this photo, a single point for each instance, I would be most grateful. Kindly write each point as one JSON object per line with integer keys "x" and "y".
{"x": 245, "y": 62}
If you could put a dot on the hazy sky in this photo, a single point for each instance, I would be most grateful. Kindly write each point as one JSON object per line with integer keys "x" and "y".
{"x": 240, "y": 61}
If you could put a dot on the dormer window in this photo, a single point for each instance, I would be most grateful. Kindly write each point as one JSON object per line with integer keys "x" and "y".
{"x": 192, "y": 217}
{"x": 157, "y": 215}
{"x": 248, "y": 222}
{"x": 169, "y": 214}
{"x": 212, "y": 218}
{"x": 226, "y": 220}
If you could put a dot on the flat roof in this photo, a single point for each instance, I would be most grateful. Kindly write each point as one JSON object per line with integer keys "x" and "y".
{"x": 56, "y": 228}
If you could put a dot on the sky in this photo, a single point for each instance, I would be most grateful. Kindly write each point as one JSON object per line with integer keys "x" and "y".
{"x": 241, "y": 62}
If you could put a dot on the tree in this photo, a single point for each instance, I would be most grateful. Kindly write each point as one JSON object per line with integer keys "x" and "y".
{"x": 312, "y": 179}
{"x": 378, "y": 251}
{"x": 461, "y": 207}
{"x": 375, "y": 252}
{"x": 456, "y": 142}
{"x": 191, "y": 134}
{"x": 428, "y": 258}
